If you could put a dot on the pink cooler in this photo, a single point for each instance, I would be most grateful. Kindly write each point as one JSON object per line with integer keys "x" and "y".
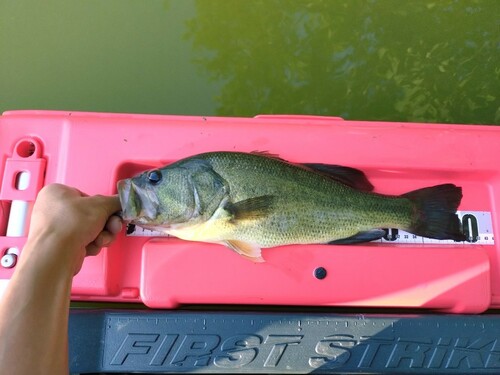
{"x": 92, "y": 151}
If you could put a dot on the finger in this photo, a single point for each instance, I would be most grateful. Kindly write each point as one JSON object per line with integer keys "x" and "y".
{"x": 104, "y": 238}
{"x": 110, "y": 204}
{"x": 114, "y": 224}
{"x": 93, "y": 249}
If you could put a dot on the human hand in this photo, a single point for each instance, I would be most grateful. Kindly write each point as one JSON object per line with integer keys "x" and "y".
{"x": 68, "y": 225}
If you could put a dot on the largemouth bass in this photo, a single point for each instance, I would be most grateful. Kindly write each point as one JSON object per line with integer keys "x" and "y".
{"x": 250, "y": 201}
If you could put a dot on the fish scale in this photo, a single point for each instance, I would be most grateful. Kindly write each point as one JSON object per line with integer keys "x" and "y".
{"x": 316, "y": 208}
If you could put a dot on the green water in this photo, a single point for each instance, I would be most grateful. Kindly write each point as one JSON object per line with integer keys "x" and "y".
{"x": 428, "y": 60}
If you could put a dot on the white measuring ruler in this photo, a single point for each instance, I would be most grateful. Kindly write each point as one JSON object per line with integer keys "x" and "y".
{"x": 476, "y": 225}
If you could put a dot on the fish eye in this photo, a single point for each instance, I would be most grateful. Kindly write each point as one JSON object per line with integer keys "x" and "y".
{"x": 154, "y": 176}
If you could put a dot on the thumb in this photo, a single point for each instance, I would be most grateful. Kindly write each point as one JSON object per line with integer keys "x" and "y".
{"x": 109, "y": 204}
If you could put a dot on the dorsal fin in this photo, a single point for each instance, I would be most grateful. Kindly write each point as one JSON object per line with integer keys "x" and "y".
{"x": 268, "y": 154}
{"x": 346, "y": 175}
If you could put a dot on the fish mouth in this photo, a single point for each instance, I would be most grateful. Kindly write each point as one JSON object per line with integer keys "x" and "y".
{"x": 126, "y": 194}
{"x": 138, "y": 205}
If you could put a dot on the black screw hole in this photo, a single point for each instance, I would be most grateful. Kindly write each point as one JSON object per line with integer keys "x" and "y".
{"x": 320, "y": 273}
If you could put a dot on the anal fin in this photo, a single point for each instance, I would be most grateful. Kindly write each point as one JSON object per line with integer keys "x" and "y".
{"x": 366, "y": 236}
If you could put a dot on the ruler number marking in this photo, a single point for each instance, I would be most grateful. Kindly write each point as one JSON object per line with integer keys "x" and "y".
{"x": 476, "y": 225}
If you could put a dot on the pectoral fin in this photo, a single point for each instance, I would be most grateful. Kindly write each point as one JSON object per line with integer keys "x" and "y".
{"x": 247, "y": 250}
{"x": 370, "y": 235}
{"x": 250, "y": 209}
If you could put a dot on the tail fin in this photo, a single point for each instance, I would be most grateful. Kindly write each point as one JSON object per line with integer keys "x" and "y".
{"x": 435, "y": 212}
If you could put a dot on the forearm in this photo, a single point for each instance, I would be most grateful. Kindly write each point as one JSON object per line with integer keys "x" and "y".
{"x": 34, "y": 315}
{"x": 65, "y": 227}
